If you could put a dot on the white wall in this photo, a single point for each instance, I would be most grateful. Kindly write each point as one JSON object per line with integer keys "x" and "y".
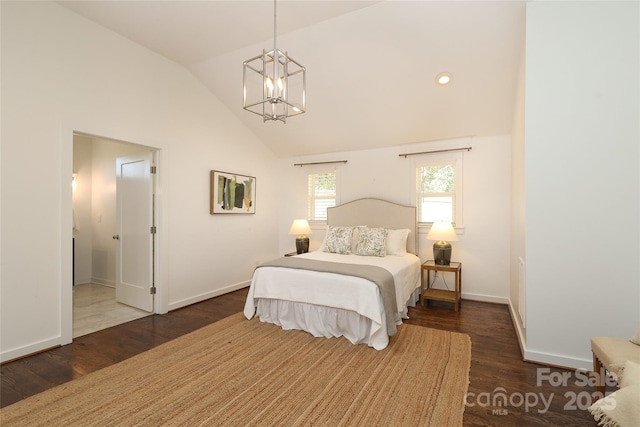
{"x": 62, "y": 73}
{"x": 582, "y": 180}
{"x": 483, "y": 247}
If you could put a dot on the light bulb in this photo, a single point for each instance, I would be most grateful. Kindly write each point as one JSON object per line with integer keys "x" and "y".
{"x": 444, "y": 78}
{"x": 269, "y": 84}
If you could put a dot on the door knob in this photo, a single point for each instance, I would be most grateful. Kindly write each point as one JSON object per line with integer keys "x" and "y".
{"x": 116, "y": 237}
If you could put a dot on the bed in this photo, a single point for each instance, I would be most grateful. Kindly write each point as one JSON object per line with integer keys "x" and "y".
{"x": 342, "y": 289}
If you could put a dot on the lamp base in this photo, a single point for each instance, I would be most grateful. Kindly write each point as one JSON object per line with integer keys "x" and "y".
{"x": 442, "y": 253}
{"x": 302, "y": 245}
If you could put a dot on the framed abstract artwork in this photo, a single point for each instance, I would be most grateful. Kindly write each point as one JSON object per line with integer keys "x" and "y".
{"x": 232, "y": 193}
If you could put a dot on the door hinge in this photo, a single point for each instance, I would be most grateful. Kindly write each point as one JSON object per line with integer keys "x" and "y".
{"x": 153, "y": 229}
{"x": 153, "y": 290}
{"x": 153, "y": 169}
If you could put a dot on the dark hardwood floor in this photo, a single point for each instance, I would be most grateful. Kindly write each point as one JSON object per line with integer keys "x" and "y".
{"x": 497, "y": 374}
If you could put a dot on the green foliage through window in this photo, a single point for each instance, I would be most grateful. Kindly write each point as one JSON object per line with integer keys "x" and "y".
{"x": 437, "y": 179}
{"x": 322, "y": 194}
{"x": 436, "y": 192}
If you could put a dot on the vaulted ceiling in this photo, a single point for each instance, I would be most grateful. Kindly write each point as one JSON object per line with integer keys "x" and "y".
{"x": 371, "y": 65}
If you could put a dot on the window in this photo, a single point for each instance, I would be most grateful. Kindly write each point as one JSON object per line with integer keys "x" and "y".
{"x": 322, "y": 194}
{"x": 438, "y": 191}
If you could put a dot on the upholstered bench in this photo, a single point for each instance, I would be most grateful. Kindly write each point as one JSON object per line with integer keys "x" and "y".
{"x": 611, "y": 354}
{"x": 621, "y": 357}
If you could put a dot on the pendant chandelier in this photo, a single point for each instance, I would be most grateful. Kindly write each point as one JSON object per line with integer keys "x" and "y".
{"x": 274, "y": 84}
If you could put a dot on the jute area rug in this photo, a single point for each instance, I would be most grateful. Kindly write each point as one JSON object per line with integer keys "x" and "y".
{"x": 237, "y": 372}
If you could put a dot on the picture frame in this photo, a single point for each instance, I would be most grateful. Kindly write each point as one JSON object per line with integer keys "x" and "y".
{"x": 232, "y": 193}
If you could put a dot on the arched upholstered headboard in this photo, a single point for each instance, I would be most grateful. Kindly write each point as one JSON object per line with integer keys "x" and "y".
{"x": 376, "y": 213}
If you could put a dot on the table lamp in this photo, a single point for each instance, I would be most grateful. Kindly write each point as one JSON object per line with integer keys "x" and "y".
{"x": 442, "y": 232}
{"x": 301, "y": 228}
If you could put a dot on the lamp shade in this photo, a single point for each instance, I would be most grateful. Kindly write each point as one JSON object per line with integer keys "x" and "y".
{"x": 300, "y": 227}
{"x": 442, "y": 231}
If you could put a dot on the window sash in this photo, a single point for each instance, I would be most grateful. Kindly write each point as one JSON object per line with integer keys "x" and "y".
{"x": 320, "y": 200}
{"x": 437, "y": 206}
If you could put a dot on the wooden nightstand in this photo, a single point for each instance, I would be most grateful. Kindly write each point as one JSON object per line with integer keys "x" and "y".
{"x": 428, "y": 293}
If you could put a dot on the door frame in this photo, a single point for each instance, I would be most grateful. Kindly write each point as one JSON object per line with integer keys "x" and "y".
{"x": 66, "y": 234}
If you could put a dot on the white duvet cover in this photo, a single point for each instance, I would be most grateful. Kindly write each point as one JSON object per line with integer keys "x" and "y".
{"x": 328, "y": 304}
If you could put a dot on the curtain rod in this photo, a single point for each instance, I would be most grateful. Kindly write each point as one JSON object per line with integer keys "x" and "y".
{"x": 319, "y": 163}
{"x": 436, "y": 151}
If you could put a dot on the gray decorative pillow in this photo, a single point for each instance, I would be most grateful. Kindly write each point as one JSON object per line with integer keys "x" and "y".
{"x": 338, "y": 240}
{"x": 373, "y": 242}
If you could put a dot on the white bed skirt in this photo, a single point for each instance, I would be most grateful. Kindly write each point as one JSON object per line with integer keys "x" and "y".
{"x": 321, "y": 321}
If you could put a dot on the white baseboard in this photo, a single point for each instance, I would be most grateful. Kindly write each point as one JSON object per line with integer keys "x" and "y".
{"x": 39, "y": 346}
{"x": 542, "y": 357}
{"x": 103, "y": 282}
{"x": 520, "y": 331}
{"x": 557, "y": 360}
{"x": 82, "y": 280}
{"x": 485, "y": 298}
{"x": 205, "y": 296}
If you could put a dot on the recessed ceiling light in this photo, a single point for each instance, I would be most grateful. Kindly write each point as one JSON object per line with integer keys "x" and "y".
{"x": 444, "y": 78}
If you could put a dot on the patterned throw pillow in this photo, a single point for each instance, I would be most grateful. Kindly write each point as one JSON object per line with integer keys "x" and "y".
{"x": 338, "y": 240}
{"x": 372, "y": 242}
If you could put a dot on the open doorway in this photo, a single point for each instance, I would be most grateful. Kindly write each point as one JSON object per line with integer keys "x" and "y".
{"x": 97, "y": 222}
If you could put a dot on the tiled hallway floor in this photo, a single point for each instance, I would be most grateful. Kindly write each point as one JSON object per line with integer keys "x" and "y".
{"x": 95, "y": 308}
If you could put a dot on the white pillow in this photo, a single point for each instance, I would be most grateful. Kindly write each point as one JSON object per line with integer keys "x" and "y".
{"x": 397, "y": 241}
{"x": 323, "y": 245}
{"x": 620, "y": 408}
{"x": 372, "y": 242}
{"x": 338, "y": 240}
{"x": 629, "y": 374}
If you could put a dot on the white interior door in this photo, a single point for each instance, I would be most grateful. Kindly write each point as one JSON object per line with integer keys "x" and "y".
{"x": 135, "y": 221}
